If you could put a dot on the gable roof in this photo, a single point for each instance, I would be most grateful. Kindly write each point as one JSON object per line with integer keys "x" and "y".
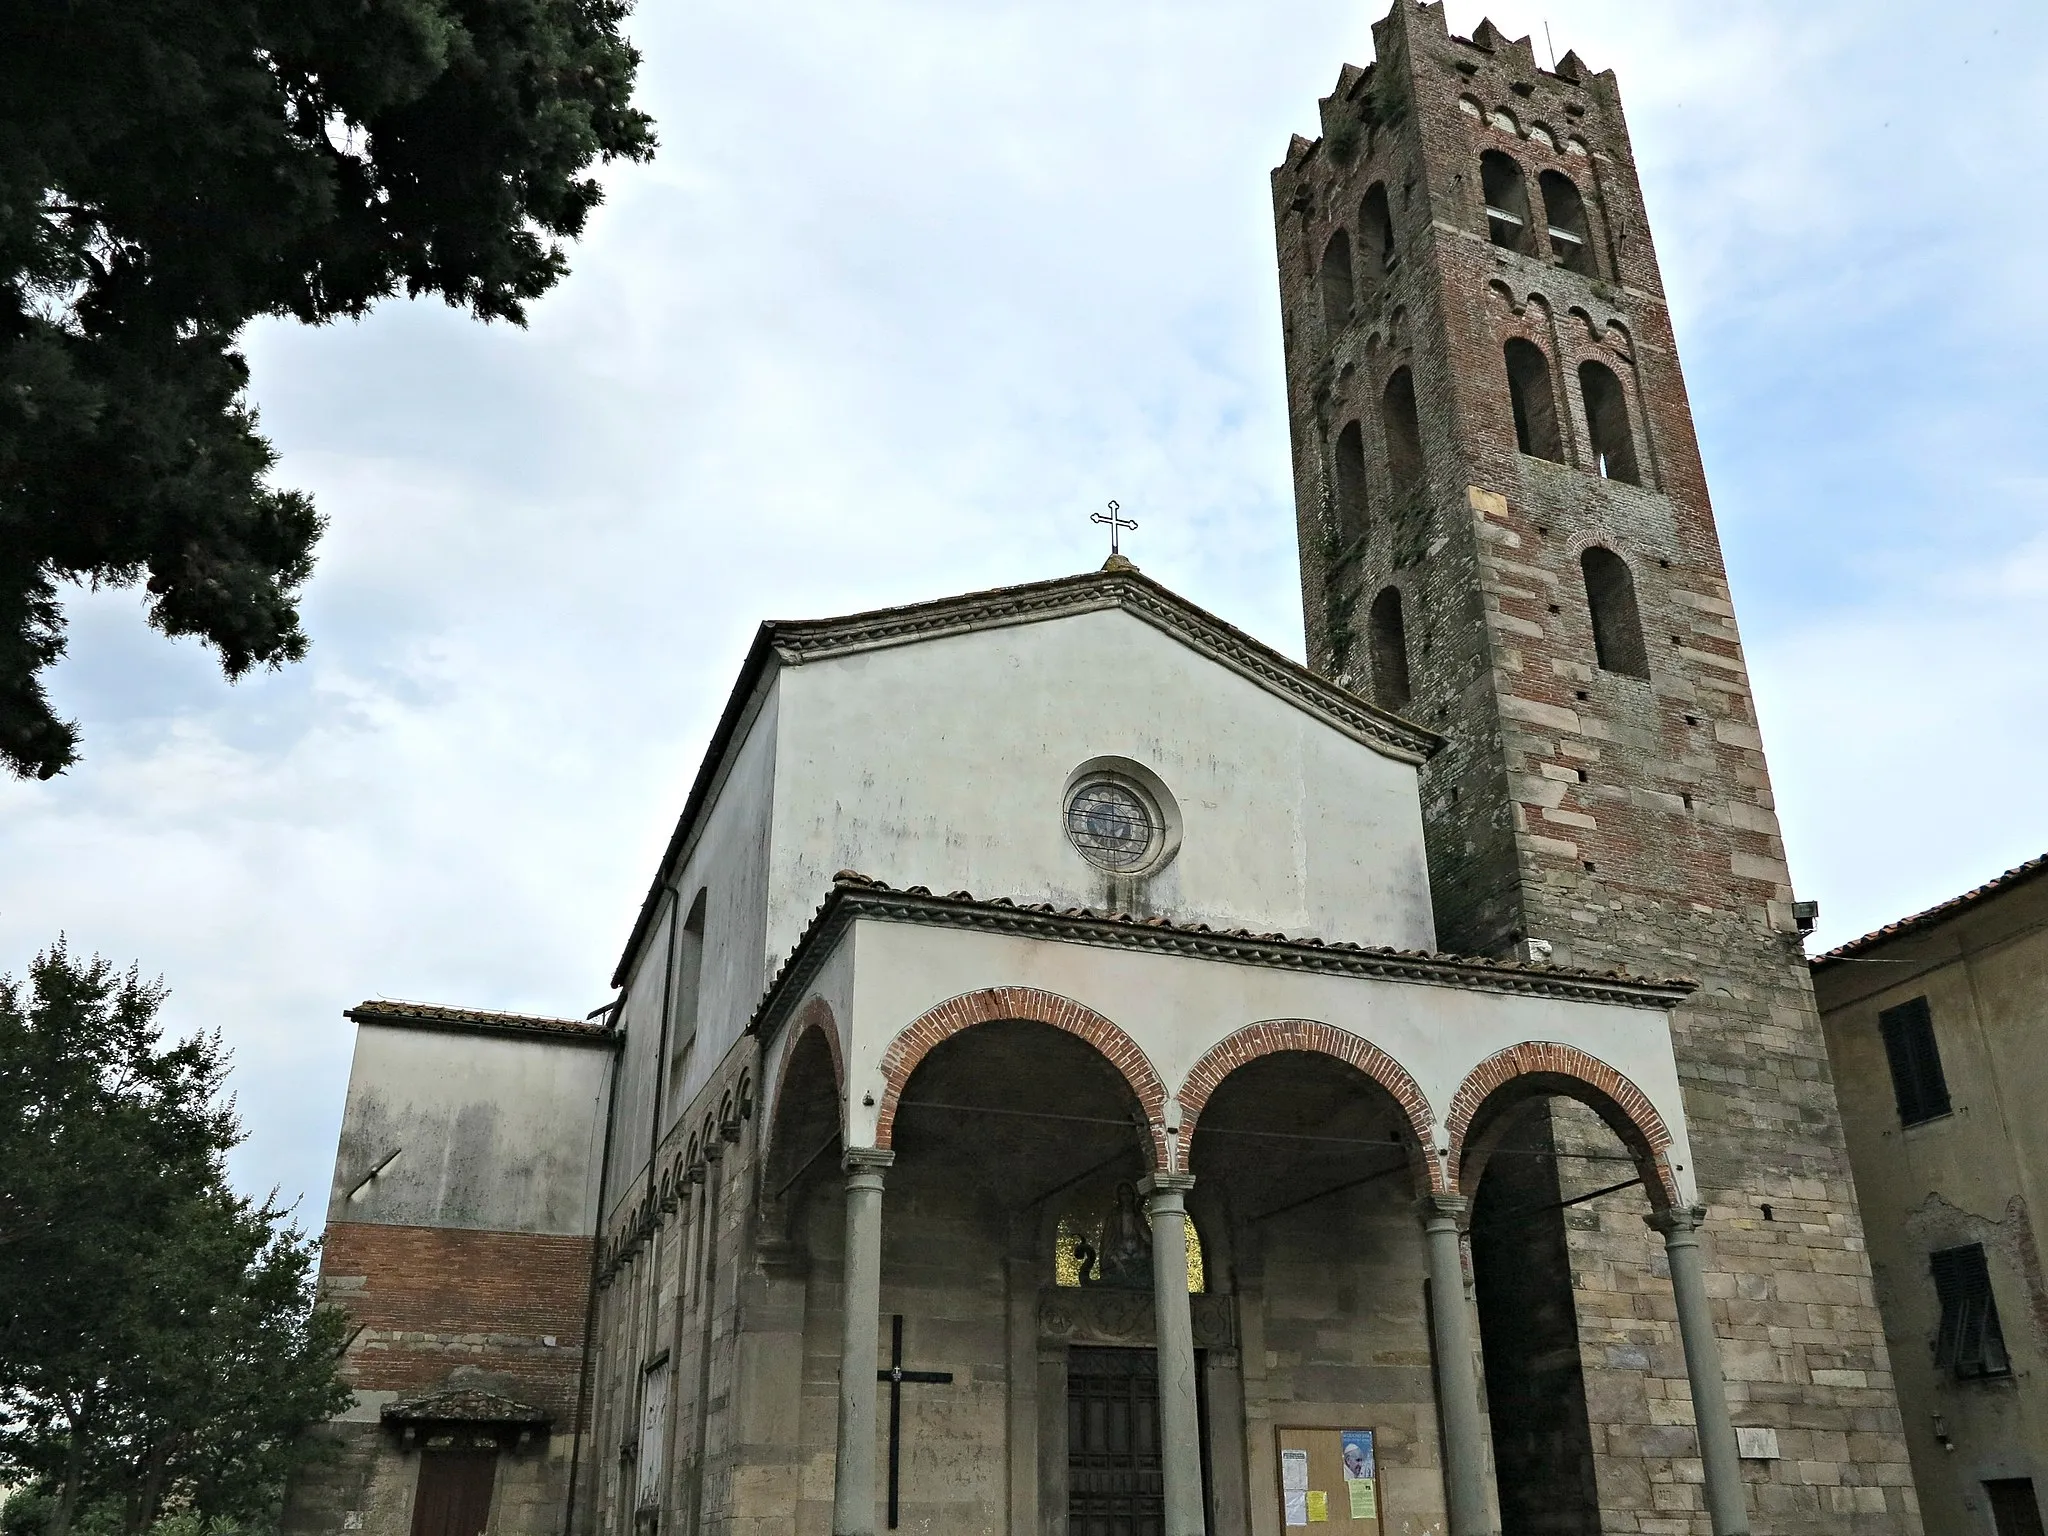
{"x": 1919, "y": 922}
{"x": 1120, "y": 585}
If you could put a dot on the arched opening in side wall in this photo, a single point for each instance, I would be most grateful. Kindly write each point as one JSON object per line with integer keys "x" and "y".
{"x": 804, "y": 1142}
{"x": 1558, "y": 1196}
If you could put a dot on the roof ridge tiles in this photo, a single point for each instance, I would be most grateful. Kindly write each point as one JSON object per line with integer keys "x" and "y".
{"x": 1919, "y": 921}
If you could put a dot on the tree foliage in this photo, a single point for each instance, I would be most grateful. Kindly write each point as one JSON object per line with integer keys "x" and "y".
{"x": 159, "y": 1346}
{"x": 171, "y": 169}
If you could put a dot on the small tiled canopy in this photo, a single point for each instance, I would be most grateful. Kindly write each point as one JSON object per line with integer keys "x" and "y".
{"x": 465, "y": 1407}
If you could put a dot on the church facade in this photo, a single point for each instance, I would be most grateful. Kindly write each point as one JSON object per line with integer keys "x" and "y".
{"x": 1077, "y": 1070}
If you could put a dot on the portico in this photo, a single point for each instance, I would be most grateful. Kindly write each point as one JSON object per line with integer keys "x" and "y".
{"x": 1277, "y": 1093}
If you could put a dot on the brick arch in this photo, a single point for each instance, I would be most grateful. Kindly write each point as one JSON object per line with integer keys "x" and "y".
{"x": 1270, "y": 1037}
{"x": 1542, "y": 1068}
{"x": 993, "y": 1004}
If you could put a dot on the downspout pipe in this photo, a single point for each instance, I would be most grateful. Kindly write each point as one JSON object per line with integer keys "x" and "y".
{"x": 604, "y": 1167}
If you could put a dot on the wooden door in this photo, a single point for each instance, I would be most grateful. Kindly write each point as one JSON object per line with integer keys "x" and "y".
{"x": 454, "y": 1493}
{"x": 2014, "y": 1510}
{"x": 1114, "y": 1483}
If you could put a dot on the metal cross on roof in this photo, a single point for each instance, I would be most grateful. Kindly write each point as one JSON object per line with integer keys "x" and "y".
{"x": 1116, "y": 523}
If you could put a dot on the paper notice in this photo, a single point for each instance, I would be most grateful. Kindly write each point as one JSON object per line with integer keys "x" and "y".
{"x": 1294, "y": 1487}
{"x": 1318, "y": 1505}
{"x": 1364, "y": 1499}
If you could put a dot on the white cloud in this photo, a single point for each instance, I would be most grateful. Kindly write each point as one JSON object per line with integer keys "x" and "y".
{"x": 910, "y": 291}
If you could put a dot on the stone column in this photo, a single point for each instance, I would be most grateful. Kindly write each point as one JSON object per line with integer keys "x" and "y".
{"x": 1725, "y": 1504}
{"x": 1180, "y": 1427}
{"x": 1457, "y": 1382}
{"x": 853, "y": 1473}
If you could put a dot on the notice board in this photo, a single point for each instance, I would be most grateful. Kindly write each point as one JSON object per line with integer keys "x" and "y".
{"x": 1330, "y": 1477}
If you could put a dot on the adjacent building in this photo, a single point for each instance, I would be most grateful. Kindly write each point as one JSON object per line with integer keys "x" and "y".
{"x": 1937, "y": 1027}
{"x": 459, "y": 1241}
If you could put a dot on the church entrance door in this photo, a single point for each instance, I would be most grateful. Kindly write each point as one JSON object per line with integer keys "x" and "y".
{"x": 1114, "y": 1485}
{"x": 454, "y": 1494}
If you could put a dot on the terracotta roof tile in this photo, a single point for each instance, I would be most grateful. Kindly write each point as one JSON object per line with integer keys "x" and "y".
{"x": 2018, "y": 875}
{"x": 441, "y": 1015}
{"x": 855, "y": 892}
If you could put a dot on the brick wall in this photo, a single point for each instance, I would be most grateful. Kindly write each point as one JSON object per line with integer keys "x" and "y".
{"x": 433, "y": 1300}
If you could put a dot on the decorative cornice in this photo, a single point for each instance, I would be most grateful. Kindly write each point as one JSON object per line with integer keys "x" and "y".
{"x": 478, "y": 1021}
{"x": 854, "y": 896}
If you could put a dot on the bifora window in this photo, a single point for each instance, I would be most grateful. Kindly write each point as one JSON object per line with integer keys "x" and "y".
{"x": 1114, "y": 825}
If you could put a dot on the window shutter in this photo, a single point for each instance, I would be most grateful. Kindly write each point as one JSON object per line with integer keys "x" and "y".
{"x": 1915, "y": 1059}
{"x": 1970, "y": 1342}
{"x": 653, "y": 1434}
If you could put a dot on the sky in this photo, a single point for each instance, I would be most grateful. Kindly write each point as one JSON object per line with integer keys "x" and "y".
{"x": 912, "y": 288}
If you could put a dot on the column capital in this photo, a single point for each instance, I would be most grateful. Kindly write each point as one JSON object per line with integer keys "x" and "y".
{"x": 1434, "y": 1209}
{"x": 1675, "y": 1221}
{"x": 875, "y": 1160}
{"x": 1153, "y": 1185}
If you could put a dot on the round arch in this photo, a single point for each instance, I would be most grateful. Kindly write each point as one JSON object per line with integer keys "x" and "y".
{"x": 813, "y": 1050}
{"x": 1542, "y": 1069}
{"x": 815, "y": 1015}
{"x": 1270, "y": 1037}
{"x": 991, "y": 1004}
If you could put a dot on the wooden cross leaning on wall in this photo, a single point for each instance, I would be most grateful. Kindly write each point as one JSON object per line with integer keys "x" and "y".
{"x": 896, "y": 1376}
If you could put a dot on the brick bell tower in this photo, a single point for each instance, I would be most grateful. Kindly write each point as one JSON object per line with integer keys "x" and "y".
{"x": 1505, "y": 535}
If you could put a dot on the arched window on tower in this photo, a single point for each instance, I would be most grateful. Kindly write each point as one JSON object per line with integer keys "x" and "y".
{"x": 1507, "y": 201}
{"x": 1564, "y": 212}
{"x": 1350, "y": 477}
{"x": 1336, "y": 282}
{"x": 1403, "y": 433}
{"x": 1617, "y": 622}
{"x": 1614, "y": 444}
{"x": 1376, "y": 231}
{"x": 1533, "y": 401}
{"x": 1389, "y": 650}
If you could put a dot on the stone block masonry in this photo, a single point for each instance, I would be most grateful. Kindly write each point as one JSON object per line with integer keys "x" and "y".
{"x": 1603, "y": 791}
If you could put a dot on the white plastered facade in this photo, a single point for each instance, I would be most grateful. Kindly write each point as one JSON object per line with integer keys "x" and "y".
{"x": 884, "y": 976}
